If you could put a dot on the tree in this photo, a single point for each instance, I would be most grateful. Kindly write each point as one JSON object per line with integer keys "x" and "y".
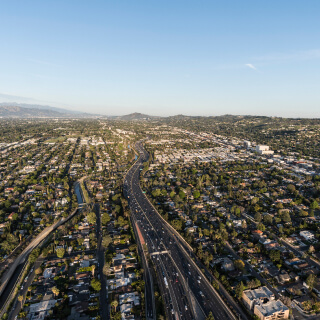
{"x": 114, "y": 304}
{"x": 196, "y": 194}
{"x": 291, "y": 188}
{"x": 307, "y": 305}
{"x": 182, "y": 195}
{"x": 105, "y": 219}
{"x": 133, "y": 247}
{"x": 311, "y": 281}
{"x": 254, "y": 283}
{"x": 38, "y": 271}
{"x": 210, "y": 316}
{"x": 261, "y": 227}
{"x": 267, "y": 219}
{"x": 258, "y": 217}
{"x": 156, "y": 193}
{"x": 239, "y": 264}
{"x": 30, "y": 289}
{"x": 60, "y": 252}
{"x": 34, "y": 255}
{"x": 286, "y": 301}
{"x": 239, "y": 289}
{"x": 20, "y": 298}
{"x": 314, "y": 205}
{"x": 275, "y": 255}
{"x": 286, "y": 217}
{"x": 106, "y": 240}
{"x": 91, "y": 217}
{"x": 55, "y": 291}
{"x": 93, "y": 267}
{"x": 311, "y": 249}
{"x": 10, "y": 243}
{"x": 95, "y": 284}
{"x": 106, "y": 269}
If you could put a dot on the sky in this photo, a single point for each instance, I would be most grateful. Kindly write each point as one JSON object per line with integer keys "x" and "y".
{"x": 193, "y": 57}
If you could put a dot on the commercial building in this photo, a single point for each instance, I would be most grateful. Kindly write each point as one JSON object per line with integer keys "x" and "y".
{"x": 307, "y": 235}
{"x": 262, "y": 303}
{"x": 261, "y": 149}
{"x": 256, "y": 296}
{"x": 271, "y": 310}
{"x": 247, "y": 144}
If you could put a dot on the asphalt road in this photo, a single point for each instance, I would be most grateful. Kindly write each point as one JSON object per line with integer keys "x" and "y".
{"x": 100, "y": 256}
{"x": 187, "y": 294}
{"x": 253, "y": 272}
{"x": 8, "y": 280}
{"x": 149, "y": 294}
{"x": 298, "y": 253}
{"x": 5, "y": 288}
{"x": 16, "y": 308}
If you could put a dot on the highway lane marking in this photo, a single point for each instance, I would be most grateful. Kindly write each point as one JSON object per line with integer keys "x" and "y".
{"x": 143, "y": 211}
{"x": 181, "y": 245}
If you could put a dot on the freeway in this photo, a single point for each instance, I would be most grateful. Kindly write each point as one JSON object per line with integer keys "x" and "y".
{"x": 168, "y": 276}
{"x": 150, "y": 303}
{"x": 186, "y": 292}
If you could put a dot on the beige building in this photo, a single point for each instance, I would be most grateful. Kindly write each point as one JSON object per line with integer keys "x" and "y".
{"x": 256, "y": 296}
{"x": 262, "y": 303}
{"x": 271, "y": 310}
{"x": 263, "y": 149}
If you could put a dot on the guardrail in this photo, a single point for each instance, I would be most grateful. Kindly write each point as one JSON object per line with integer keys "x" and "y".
{"x": 18, "y": 282}
{"x": 176, "y": 233}
{"x": 12, "y": 292}
{"x": 144, "y": 259}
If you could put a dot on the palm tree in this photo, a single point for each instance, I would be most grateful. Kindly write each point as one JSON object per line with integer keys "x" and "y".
{"x": 20, "y": 298}
{"x": 210, "y": 316}
{"x": 114, "y": 304}
{"x": 55, "y": 291}
{"x": 93, "y": 267}
{"x": 29, "y": 289}
{"x": 106, "y": 269}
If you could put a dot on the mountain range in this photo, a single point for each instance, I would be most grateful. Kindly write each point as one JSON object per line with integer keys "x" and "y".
{"x": 26, "y": 111}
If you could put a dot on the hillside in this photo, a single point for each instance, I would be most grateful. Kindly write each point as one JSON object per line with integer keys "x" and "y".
{"x": 8, "y": 110}
{"x": 136, "y": 116}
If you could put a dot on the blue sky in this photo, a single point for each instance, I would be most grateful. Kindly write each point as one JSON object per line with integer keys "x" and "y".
{"x": 163, "y": 57}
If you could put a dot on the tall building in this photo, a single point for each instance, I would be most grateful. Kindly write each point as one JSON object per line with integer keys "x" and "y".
{"x": 261, "y": 149}
{"x": 247, "y": 144}
{"x": 271, "y": 310}
{"x": 262, "y": 303}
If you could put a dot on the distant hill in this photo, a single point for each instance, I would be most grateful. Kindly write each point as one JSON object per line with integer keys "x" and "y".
{"x": 136, "y": 116}
{"x": 38, "y": 106}
{"x": 22, "y": 110}
{"x": 179, "y": 117}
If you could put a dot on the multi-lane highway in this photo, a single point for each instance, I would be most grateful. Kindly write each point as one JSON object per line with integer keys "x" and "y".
{"x": 186, "y": 292}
